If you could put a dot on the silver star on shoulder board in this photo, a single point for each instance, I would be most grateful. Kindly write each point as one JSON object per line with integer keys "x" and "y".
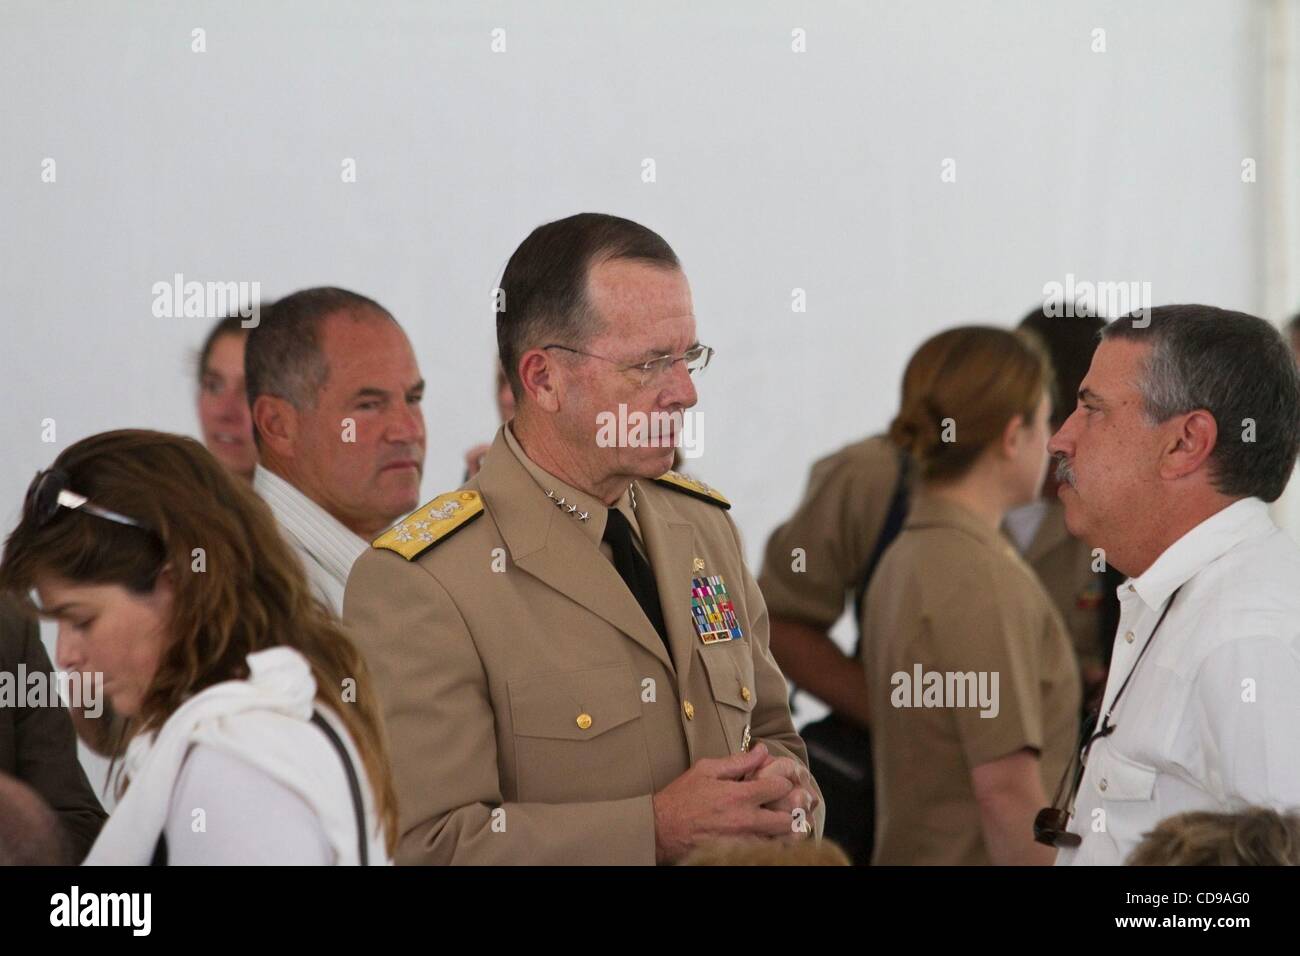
{"x": 583, "y": 515}
{"x": 573, "y": 509}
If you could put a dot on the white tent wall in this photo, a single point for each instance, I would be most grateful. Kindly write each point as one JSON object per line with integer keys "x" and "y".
{"x": 1103, "y": 141}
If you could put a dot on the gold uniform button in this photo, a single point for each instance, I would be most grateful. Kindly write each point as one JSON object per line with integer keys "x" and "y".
{"x": 689, "y": 710}
{"x": 1129, "y": 637}
{"x": 584, "y": 721}
{"x": 745, "y": 694}
{"x": 1102, "y": 786}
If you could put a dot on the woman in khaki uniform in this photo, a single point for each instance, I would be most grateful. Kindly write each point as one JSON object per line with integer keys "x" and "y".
{"x": 971, "y": 679}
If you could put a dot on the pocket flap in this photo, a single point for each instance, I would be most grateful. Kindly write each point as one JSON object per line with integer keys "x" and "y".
{"x": 731, "y": 674}
{"x": 1121, "y": 779}
{"x": 574, "y": 705}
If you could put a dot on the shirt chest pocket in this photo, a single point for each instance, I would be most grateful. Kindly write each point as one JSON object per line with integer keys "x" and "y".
{"x": 1127, "y": 794}
{"x": 1121, "y": 779}
{"x": 578, "y": 736}
{"x": 730, "y": 666}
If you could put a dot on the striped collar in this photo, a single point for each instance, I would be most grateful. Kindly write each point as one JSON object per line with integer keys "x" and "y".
{"x": 313, "y": 529}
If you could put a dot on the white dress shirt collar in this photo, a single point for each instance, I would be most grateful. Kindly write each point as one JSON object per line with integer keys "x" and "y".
{"x": 1214, "y": 537}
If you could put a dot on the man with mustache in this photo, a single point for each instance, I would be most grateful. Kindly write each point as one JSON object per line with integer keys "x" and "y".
{"x": 1187, "y": 424}
{"x": 335, "y": 393}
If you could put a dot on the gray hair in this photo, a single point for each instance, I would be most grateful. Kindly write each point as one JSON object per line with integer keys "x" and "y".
{"x": 1239, "y": 369}
{"x": 283, "y": 356}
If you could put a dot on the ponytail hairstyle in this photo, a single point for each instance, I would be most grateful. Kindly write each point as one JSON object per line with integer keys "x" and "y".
{"x": 960, "y": 390}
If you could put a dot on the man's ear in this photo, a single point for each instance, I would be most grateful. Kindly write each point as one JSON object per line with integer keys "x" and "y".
{"x": 540, "y": 379}
{"x": 276, "y": 421}
{"x": 1192, "y": 442}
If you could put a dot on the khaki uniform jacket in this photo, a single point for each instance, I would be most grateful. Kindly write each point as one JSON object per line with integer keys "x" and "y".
{"x": 533, "y": 711}
{"x": 843, "y": 513}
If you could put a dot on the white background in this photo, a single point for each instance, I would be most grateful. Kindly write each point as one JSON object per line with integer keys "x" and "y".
{"x": 776, "y": 170}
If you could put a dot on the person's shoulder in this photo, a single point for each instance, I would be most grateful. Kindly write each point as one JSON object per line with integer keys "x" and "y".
{"x": 431, "y": 525}
{"x": 692, "y": 488}
{"x": 1249, "y": 591}
{"x": 257, "y": 817}
{"x": 863, "y": 470}
{"x": 870, "y": 453}
{"x": 954, "y": 559}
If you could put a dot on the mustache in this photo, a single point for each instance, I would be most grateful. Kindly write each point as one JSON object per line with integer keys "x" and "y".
{"x": 1064, "y": 470}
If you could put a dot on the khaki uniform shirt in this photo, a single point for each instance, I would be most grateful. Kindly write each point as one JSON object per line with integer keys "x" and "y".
{"x": 953, "y": 600}
{"x": 835, "y": 527}
{"x": 532, "y": 710}
{"x": 1063, "y": 564}
{"x": 843, "y": 513}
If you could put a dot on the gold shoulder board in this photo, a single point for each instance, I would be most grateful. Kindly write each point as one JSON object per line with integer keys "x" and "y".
{"x": 696, "y": 489}
{"x": 434, "y": 521}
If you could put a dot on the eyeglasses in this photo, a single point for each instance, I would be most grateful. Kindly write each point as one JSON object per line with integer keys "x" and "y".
{"x": 49, "y": 492}
{"x": 696, "y": 359}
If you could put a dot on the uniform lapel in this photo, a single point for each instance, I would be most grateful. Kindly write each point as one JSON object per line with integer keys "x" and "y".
{"x": 546, "y": 543}
{"x": 670, "y": 546}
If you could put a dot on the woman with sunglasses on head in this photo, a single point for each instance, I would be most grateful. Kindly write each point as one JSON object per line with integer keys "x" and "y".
{"x": 252, "y": 731}
{"x": 972, "y": 684}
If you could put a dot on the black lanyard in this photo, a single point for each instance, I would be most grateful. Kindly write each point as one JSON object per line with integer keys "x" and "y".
{"x": 1087, "y": 738}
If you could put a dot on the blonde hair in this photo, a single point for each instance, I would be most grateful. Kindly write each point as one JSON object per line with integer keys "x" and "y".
{"x": 974, "y": 378}
{"x": 1256, "y": 836}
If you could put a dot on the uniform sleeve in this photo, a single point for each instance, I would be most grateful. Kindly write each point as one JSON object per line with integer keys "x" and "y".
{"x": 441, "y": 731}
{"x": 1247, "y": 713}
{"x": 771, "y": 721}
{"x": 46, "y": 750}
{"x": 974, "y": 632}
{"x": 836, "y": 526}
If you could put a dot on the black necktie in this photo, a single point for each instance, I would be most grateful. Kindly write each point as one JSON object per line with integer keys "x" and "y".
{"x": 635, "y": 571}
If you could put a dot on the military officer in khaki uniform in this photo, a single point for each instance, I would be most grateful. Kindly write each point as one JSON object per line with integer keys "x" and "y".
{"x": 571, "y": 655}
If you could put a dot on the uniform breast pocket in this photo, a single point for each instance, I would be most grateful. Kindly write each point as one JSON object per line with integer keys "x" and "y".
{"x": 579, "y": 736}
{"x": 730, "y": 666}
{"x": 1127, "y": 791}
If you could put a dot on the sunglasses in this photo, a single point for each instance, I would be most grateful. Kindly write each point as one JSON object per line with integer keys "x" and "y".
{"x": 49, "y": 492}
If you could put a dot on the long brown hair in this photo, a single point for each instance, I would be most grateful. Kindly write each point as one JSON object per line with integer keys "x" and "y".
{"x": 251, "y": 593}
{"x": 978, "y": 377}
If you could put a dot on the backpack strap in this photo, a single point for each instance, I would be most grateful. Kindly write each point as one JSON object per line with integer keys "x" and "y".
{"x": 894, "y": 519}
{"x": 353, "y": 784}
